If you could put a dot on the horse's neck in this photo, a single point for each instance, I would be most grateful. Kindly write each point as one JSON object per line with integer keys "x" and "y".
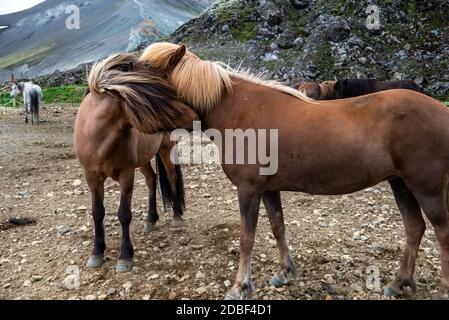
{"x": 247, "y": 98}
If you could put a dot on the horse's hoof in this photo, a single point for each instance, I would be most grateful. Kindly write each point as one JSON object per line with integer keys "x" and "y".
{"x": 95, "y": 261}
{"x": 389, "y": 292}
{"x": 124, "y": 266}
{"x": 177, "y": 222}
{"x": 148, "y": 227}
{"x": 276, "y": 282}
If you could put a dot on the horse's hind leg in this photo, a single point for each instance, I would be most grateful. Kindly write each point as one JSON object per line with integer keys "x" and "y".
{"x": 150, "y": 179}
{"x": 96, "y": 186}
{"x": 126, "y": 180}
{"x": 414, "y": 230}
{"x": 176, "y": 184}
{"x": 436, "y": 209}
{"x": 287, "y": 272}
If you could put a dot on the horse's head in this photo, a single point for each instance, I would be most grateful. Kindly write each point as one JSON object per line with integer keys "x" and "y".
{"x": 15, "y": 89}
{"x": 311, "y": 90}
{"x": 149, "y": 101}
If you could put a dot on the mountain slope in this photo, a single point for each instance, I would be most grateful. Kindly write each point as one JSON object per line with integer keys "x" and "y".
{"x": 316, "y": 40}
{"x": 37, "y": 42}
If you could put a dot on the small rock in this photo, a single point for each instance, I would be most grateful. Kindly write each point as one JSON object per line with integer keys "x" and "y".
{"x": 356, "y": 288}
{"x": 356, "y": 235}
{"x": 146, "y": 297}
{"x": 299, "y": 4}
{"x": 153, "y": 276}
{"x": 269, "y": 56}
{"x": 24, "y": 194}
{"x": 27, "y": 283}
{"x": 225, "y": 28}
{"x": 62, "y": 229}
{"x": 81, "y": 208}
{"x": 201, "y": 290}
{"x": 76, "y": 183}
{"x": 111, "y": 291}
{"x": 91, "y": 297}
{"x": 172, "y": 296}
{"x": 227, "y": 283}
{"x": 200, "y": 275}
{"x": 127, "y": 286}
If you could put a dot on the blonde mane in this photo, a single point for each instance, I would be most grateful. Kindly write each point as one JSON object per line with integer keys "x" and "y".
{"x": 201, "y": 83}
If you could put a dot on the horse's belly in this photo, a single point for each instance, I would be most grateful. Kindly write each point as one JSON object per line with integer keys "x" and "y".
{"x": 328, "y": 175}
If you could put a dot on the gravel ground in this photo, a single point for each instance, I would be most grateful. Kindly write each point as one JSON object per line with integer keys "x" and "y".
{"x": 336, "y": 240}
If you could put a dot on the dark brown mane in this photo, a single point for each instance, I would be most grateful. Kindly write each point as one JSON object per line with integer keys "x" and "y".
{"x": 147, "y": 98}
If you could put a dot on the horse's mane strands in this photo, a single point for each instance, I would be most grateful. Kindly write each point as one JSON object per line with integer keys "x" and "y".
{"x": 202, "y": 83}
{"x": 261, "y": 79}
{"x": 147, "y": 98}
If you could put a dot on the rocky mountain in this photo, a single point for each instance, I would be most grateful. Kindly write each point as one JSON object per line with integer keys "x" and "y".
{"x": 37, "y": 41}
{"x": 293, "y": 40}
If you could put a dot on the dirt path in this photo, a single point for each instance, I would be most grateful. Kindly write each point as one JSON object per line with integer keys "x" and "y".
{"x": 334, "y": 239}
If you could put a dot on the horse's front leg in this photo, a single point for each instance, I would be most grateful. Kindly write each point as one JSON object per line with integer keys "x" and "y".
{"x": 126, "y": 180}
{"x": 249, "y": 201}
{"x": 96, "y": 186}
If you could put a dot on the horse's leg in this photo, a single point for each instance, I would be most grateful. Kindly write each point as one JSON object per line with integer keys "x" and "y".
{"x": 436, "y": 209}
{"x": 249, "y": 201}
{"x": 174, "y": 176}
{"x": 96, "y": 186}
{"x": 414, "y": 230}
{"x": 37, "y": 112}
{"x": 272, "y": 202}
{"x": 26, "y": 111}
{"x": 126, "y": 180}
{"x": 150, "y": 179}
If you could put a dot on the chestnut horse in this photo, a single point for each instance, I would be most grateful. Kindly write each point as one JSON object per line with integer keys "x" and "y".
{"x": 107, "y": 146}
{"x": 318, "y": 91}
{"x": 325, "y": 148}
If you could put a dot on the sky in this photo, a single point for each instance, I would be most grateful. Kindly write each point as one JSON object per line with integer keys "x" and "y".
{"x": 9, "y": 6}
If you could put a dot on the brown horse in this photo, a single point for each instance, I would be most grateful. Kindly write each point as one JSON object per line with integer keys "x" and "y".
{"x": 349, "y": 88}
{"x": 318, "y": 91}
{"x": 107, "y": 146}
{"x": 329, "y": 147}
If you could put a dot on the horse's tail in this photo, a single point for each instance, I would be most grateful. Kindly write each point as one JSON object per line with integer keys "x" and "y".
{"x": 34, "y": 105}
{"x": 176, "y": 198}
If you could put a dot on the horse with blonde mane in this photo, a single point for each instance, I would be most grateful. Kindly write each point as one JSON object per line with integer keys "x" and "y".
{"x": 324, "y": 148}
{"x": 107, "y": 146}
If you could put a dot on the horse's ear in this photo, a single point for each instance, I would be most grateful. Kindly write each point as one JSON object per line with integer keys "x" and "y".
{"x": 177, "y": 56}
{"x": 13, "y": 78}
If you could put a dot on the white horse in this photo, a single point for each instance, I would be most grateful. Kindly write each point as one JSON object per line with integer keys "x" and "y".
{"x": 32, "y": 96}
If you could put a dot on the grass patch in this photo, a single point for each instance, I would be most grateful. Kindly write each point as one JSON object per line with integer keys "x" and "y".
{"x": 63, "y": 94}
{"x": 31, "y": 56}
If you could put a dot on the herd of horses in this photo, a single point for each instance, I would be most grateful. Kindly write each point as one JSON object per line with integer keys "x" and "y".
{"x": 334, "y": 138}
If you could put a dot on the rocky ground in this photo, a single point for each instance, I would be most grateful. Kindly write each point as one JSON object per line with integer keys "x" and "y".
{"x": 335, "y": 240}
